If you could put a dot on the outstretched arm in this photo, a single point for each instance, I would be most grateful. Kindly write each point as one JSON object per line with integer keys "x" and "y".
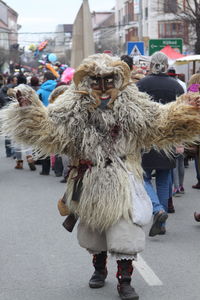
{"x": 27, "y": 121}
{"x": 179, "y": 121}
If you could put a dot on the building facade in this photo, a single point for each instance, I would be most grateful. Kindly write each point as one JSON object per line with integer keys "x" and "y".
{"x": 8, "y": 26}
{"x": 136, "y": 20}
{"x": 142, "y": 20}
{"x": 8, "y": 34}
{"x": 104, "y": 31}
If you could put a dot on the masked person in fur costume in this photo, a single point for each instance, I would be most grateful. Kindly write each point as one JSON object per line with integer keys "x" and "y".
{"x": 102, "y": 122}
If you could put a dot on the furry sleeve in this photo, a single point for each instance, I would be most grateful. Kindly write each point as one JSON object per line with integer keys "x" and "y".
{"x": 33, "y": 125}
{"x": 177, "y": 122}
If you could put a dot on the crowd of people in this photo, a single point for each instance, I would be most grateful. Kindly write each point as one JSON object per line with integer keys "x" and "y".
{"x": 48, "y": 89}
{"x": 100, "y": 231}
{"x": 164, "y": 86}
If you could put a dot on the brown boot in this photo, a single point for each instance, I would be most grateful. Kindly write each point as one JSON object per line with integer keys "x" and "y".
{"x": 196, "y": 186}
{"x": 197, "y": 216}
{"x": 171, "y": 208}
{"x": 98, "y": 278}
{"x": 125, "y": 290}
{"x": 19, "y": 165}
{"x": 31, "y": 162}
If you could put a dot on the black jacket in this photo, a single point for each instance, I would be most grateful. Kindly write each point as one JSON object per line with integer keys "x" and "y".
{"x": 4, "y": 98}
{"x": 163, "y": 89}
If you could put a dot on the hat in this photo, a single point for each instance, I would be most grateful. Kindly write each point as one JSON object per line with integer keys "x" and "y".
{"x": 171, "y": 72}
{"x": 158, "y": 63}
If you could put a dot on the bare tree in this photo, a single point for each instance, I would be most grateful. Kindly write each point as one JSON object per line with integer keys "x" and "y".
{"x": 187, "y": 11}
{"x": 191, "y": 13}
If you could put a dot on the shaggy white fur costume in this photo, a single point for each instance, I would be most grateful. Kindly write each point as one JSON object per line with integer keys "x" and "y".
{"x": 76, "y": 126}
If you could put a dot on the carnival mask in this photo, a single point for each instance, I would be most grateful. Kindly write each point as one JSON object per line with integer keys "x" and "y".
{"x": 102, "y": 88}
{"x": 102, "y": 77}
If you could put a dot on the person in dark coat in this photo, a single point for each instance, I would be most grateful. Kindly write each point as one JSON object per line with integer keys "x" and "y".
{"x": 4, "y": 100}
{"x": 48, "y": 85}
{"x": 34, "y": 83}
{"x": 163, "y": 89}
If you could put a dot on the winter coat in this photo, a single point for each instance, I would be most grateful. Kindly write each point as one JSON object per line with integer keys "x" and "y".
{"x": 45, "y": 90}
{"x": 4, "y": 98}
{"x": 90, "y": 137}
{"x": 163, "y": 89}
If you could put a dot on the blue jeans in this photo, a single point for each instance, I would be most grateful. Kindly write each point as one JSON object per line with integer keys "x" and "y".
{"x": 163, "y": 187}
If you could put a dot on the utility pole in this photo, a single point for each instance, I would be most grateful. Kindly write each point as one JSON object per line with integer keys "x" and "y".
{"x": 140, "y": 22}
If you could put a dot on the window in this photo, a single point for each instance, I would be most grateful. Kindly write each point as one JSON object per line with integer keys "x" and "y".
{"x": 3, "y": 13}
{"x": 132, "y": 34}
{"x": 161, "y": 29}
{"x": 126, "y": 13}
{"x": 170, "y": 6}
{"x": 119, "y": 17}
{"x": 173, "y": 29}
{"x": 146, "y": 12}
{"x": 130, "y": 11}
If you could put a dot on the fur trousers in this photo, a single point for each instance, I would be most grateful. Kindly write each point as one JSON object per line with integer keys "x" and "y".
{"x": 123, "y": 238}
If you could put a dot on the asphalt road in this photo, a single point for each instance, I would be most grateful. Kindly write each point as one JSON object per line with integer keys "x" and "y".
{"x": 40, "y": 260}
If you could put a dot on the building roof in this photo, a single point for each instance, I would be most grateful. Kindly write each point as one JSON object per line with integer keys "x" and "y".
{"x": 10, "y": 8}
{"x": 68, "y": 27}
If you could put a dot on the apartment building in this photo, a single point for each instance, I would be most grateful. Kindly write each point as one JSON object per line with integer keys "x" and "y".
{"x": 8, "y": 26}
{"x": 8, "y": 34}
{"x": 104, "y": 29}
{"x": 142, "y": 20}
{"x": 103, "y": 23}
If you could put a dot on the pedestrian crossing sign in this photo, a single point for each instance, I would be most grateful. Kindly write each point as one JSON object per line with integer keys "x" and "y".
{"x": 135, "y": 48}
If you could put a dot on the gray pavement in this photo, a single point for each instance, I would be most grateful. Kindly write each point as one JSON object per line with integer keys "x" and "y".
{"x": 40, "y": 260}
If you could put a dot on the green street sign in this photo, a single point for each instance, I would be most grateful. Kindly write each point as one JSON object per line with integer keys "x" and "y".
{"x": 159, "y": 44}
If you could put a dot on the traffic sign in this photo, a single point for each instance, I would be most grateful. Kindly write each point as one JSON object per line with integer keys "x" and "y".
{"x": 135, "y": 48}
{"x": 159, "y": 44}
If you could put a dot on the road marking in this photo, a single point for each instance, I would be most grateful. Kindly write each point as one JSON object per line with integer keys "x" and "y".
{"x": 146, "y": 272}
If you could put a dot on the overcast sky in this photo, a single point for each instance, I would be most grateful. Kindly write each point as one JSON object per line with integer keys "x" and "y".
{"x": 44, "y": 15}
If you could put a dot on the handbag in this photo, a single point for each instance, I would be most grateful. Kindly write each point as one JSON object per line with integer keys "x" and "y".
{"x": 142, "y": 209}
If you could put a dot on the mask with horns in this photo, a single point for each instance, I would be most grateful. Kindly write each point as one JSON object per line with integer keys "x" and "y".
{"x": 102, "y": 77}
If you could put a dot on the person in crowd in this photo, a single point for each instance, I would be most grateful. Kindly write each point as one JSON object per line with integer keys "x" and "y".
{"x": 11, "y": 83}
{"x": 1, "y": 80}
{"x": 128, "y": 60}
{"x": 179, "y": 172}
{"x": 172, "y": 72}
{"x": 48, "y": 85}
{"x": 135, "y": 75}
{"x": 19, "y": 161}
{"x": 59, "y": 160}
{"x": 194, "y": 87}
{"x": 21, "y": 78}
{"x": 66, "y": 168}
{"x": 5, "y": 100}
{"x": 34, "y": 83}
{"x": 17, "y": 151}
{"x": 162, "y": 89}
{"x": 102, "y": 122}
